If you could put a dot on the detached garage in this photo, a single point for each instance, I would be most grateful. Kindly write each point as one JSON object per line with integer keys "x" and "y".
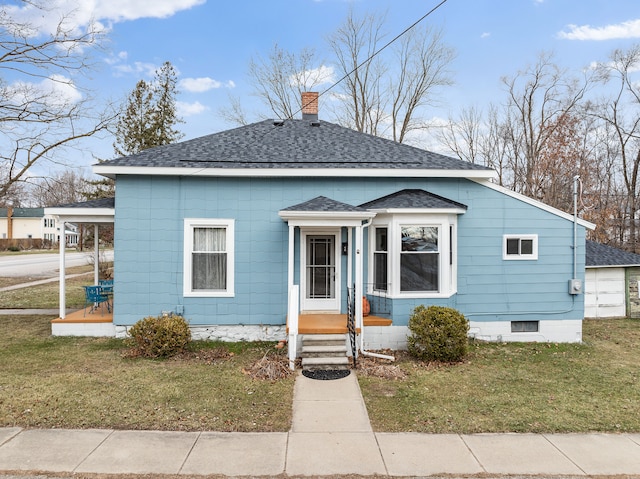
{"x": 611, "y": 282}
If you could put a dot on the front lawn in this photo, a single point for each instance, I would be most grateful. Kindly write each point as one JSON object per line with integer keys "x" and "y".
{"x": 49, "y": 382}
{"x": 594, "y": 386}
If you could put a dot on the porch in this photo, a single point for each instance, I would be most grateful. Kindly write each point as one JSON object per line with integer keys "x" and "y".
{"x": 77, "y": 323}
{"x": 330, "y": 323}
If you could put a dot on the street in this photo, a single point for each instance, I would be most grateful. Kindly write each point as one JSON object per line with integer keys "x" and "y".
{"x": 46, "y": 264}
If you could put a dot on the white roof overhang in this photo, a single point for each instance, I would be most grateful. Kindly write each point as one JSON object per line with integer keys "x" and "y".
{"x": 82, "y": 215}
{"x": 325, "y": 218}
{"x": 112, "y": 171}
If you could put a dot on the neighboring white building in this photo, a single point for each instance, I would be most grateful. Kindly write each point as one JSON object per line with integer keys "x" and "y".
{"x": 611, "y": 282}
{"x": 32, "y": 223}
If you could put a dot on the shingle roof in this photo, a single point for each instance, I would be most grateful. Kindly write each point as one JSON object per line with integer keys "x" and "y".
{"x": 98, "y": 203}
{"x": 412, "y": 199}
{"x": 322, "y": 203}
{"x": 293, "y": 144}
{"x": 598, "y": 254}
{"x": 23, "y": 212}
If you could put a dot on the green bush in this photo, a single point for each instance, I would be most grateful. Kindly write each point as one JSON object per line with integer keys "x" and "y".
{"x": 438, "y": 333}
{"x": 160, "y": 337}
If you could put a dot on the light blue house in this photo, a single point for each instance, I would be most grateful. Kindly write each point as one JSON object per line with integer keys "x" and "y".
{"x": 242, "y": 229}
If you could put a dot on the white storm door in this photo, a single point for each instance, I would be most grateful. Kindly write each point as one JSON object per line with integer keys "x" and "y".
{"x": 320, "y": 278}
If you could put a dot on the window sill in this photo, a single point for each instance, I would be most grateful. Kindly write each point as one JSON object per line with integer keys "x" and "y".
{"x": 206, "y": 294}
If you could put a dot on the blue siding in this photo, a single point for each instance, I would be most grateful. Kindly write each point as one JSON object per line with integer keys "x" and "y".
{"x": 149, "y": 250}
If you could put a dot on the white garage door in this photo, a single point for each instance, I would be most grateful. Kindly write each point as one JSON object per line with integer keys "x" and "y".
{"x": 604, "y": 294}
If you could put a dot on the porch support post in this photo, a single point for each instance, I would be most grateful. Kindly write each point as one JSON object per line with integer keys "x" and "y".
{"x": 350, "y": 258}
{"x": 62, "y": 289}
{"x": 291, "y": 261}
{"x": 357, "y": 295}
{"x": 96, "y": 252}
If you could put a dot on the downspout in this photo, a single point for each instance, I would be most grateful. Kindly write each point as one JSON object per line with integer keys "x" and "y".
{"x": 362, "y": 350}
{"x": 575, "y": 226}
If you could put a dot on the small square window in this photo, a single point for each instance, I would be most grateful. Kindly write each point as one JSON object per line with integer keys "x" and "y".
{"x": 525, "y": 326}
{"x": 520, "y": 247}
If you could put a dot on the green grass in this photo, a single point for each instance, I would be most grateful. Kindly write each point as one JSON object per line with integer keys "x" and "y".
{"x": 594, "y": 386}
{"x": 48, "y": 382}
{"x": 44, "y": 296}
{"x": 88, "y": 382}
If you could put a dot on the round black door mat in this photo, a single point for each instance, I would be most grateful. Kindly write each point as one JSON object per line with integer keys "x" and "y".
{"x": 326, "y": 375}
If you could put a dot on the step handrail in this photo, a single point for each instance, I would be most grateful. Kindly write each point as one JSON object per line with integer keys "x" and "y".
{"x": 292, "y": 319}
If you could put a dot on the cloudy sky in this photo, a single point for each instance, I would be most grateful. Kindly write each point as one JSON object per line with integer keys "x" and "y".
{"x": 211, "y": 42}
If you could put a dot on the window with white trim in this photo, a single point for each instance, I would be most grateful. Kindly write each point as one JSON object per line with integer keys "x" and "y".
{"x": 381, "y": 260}
{"x": 520, "y": 247}
{"x": 419, "y": 259}
{"x": 413, "y": 255}
{"x": 208, "y": 257}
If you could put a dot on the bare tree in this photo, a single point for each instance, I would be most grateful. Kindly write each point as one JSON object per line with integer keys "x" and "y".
{"x": 280, "y": 79}
{"x": 42, "y": 110}
{"x": 380, "y": 91}
{"x": 621, "y": 113}
{"x": 68, "y": 186}
{"x": 354, "y": 44}
{"x": 537, "y": 98}
{"x": 462, "y": 135}
{"x": 423, "y": 61}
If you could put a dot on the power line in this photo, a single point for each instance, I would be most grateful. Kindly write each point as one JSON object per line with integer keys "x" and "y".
{"x": 372, "y": 56}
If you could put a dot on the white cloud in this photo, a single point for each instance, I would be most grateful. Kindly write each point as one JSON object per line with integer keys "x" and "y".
{"x": 113, "y": 59}
{"x": 190, "y": 109}
{"x": 138, "y": 68}
{"x": 629, "y": 29}
{"x": 309, "y": 79}
{"x": 202, "y": 84}
{"x": 56, "y": 91}
{"x": 79, "y": 16}
{"x": 485, "y": 35}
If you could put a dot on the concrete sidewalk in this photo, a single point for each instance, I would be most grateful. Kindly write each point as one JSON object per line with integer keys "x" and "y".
{"x": 330, "y": 435}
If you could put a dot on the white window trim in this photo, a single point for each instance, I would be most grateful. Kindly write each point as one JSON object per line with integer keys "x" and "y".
{"x": 520, "y": 257}
{"x": 448, "y": 273}
{"x": 189, "y": 225}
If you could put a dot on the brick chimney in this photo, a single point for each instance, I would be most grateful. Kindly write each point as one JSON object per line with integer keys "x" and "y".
{"x": 310, "y": 105}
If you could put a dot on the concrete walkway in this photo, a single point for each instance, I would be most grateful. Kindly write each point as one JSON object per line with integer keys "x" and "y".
{"x": 38, "y": 282}
{"x": 330, "y": 435}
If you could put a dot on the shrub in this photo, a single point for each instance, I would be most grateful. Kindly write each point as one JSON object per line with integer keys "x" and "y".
{"x": 160, "y": 337}
{"x": 437, "y": 334}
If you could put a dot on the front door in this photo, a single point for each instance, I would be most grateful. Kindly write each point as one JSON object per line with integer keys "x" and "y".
{"x": 321, "y": 273}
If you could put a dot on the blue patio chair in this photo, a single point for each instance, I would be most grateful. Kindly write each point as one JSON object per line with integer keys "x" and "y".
{"x": 94, "y": 296}
{"x": 107, "y": 285}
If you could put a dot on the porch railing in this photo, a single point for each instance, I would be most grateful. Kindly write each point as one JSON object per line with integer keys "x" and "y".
{"x": 351, "y": 323}
{"x": 379, "y": 301}
{"x": 292, "y": 322}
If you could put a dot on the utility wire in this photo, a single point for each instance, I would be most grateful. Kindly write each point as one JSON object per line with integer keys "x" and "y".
{"x": 373, "y": 55}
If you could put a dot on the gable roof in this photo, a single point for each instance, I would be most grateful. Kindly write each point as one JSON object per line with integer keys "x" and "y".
{"x": 602, "y": 255}
{"x": 412, "y": 199}
{"x": 291, "y": 148}
{"x": 322, "y": 203}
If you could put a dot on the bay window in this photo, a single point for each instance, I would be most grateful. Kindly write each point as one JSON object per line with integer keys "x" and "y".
{"x": 413, "y": 256}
